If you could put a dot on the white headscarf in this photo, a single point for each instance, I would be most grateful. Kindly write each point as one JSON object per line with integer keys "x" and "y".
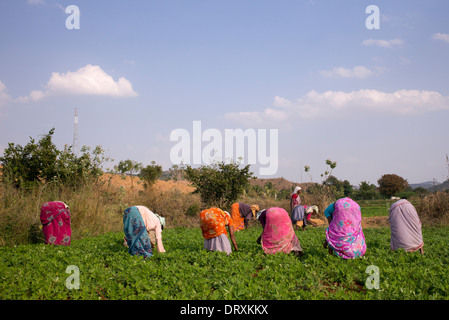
{"x": 296, "y": 190}
{"x": 161, "y": 220}
{"x": 310, "y": 209}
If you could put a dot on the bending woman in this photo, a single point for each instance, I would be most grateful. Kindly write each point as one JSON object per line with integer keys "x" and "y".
{"x": 278, "y": 234}
{"x": 405, "y": 227}
{"x": 344, "y": 236}
{"x": 241, "y": 214}
{"x": 55, "y": 219}
{"x": 136, "y": 235}
{"x": 154, "y": 225}
{"x": 213, "y": 227}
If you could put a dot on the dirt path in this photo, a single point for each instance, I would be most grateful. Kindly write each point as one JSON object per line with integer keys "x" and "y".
{"x": 375, "y": 222}
{"x": 136, "y": 184}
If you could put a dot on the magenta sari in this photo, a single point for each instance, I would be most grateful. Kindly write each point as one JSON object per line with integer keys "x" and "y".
{"x": 344, "y": 234}
{"x": 278, "y": 234}
{"x": 55, "y": 219}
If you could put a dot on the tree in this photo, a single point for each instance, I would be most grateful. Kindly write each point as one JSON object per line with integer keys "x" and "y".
{"x": 41, "y": 162}
{"x": 337, "y": 187}
{"x": 330, "y": 165}
{"x": 130, "y": 166}
{"x": 150, "y": 174}
{"x": 390, "y": 184}
{"x": 219, "y": 184}
{"x": 367, "y": 191}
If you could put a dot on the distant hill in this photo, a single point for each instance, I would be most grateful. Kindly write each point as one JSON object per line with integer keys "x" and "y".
{"x": 441, "y": 186}
{"x": 279, "y": 183}
{"x": 425, "y": 185}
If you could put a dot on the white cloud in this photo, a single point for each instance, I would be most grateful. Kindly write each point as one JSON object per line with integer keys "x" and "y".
{"x": 441, "y": 36}
{"x": 36, "y": 2}
{"x": 315, "y": 105}
{"x": 359, "y": 72}
{"x": 88, "y": 80}
{"x": 383, "y": 43}
{"x": 4, "y": 96}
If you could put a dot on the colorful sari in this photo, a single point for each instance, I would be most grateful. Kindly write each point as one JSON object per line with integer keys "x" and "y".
{"x": 213, "y": 227}
{"x": 136, "y": 235}
{"x": 405, "y": 227}
{"x": 278, "y": 234}
{"x": 344, "y": 234}
{"x": 241, "y": 213}
{"x": 55, "y": 219}
{"x": 213, "y": 222}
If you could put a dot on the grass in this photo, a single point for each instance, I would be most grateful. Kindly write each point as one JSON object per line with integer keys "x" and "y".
{"x": 187, "y": 272}
{"x": 375, "y": 211}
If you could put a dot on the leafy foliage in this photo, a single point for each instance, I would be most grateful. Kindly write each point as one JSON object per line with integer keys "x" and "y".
{"x": 41, "y": 162}
{"x": 390, "y": 184}
{"x": 220, "y": 183}
{"x": 188, "y": 272}
{"x": 367, "y": 191}
{"x": 128, "y": 166}
{"x": 150, "y": 174}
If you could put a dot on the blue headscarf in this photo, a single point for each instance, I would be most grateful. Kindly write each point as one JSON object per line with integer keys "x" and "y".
{"x": 136, "y": 234}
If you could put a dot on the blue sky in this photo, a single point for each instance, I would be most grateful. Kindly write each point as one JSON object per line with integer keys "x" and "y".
{"x": 374, "y": 100}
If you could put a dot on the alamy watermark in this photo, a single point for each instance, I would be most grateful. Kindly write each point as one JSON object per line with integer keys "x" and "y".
{"x": 373, "y": 20}
{"x": 73, "y": 20}
{"x": 372, "y": 282}
{"x": 251, "y": 146}
{"x": 72, "y": 281}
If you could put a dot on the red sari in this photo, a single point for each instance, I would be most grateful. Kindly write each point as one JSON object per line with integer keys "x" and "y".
{"x": 55, "y": 219}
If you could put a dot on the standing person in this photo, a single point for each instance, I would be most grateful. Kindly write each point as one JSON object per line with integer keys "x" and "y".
{"x": 213, "y": 227}
{"x": 344, "y": 236}
{"x": 136, "y": 235}
{"x": 278, "y": 234}
{"x": 405, "y": 227}
{"x": 56, "y": 223}
{"x": 241, "y": 214}
{"x": 295, "y": 199}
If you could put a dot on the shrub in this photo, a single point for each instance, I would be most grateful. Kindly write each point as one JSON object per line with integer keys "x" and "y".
{"x": 150, "y": 173}
{"x": 434, "y": 208}
{"x": 42, "y": 162}
{"x": 220, "y": 183}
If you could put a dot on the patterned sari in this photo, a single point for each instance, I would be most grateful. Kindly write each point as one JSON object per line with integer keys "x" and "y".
{"x": 55, "y": 219}
{"x": 213, "y": 222}
{"x": 136, "y": 234}
{"x": 213, "y": 228}
{"x": 344, "y": 234}
{"x": 278, "y": 234}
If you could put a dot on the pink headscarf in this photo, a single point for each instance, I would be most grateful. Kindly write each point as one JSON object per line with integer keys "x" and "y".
{"x": 55, "y": 219}
{"x": 278, "y": 234}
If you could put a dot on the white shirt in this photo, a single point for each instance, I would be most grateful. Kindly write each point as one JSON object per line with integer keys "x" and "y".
{"x": 152, "y": 223}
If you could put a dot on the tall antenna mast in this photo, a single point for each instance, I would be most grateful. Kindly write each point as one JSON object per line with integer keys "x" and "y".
{"x": 75, "y": 134}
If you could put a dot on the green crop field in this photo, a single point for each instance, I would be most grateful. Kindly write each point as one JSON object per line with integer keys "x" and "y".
{"x": 187, "y": 272}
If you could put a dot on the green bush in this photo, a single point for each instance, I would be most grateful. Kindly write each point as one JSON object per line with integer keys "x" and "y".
{"x": 41, "y": 162}
{"x": 219, "y": 184}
